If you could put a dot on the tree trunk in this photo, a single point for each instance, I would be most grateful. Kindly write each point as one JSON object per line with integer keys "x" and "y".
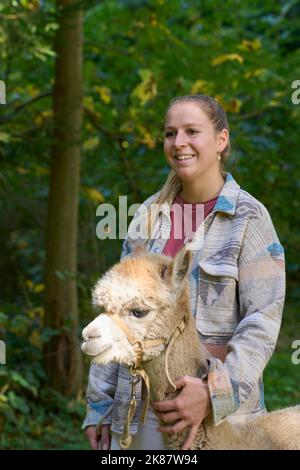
{"x": 62, "y": 355}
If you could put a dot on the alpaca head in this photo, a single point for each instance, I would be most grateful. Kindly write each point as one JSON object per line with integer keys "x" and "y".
{"x": 149, "y": 293}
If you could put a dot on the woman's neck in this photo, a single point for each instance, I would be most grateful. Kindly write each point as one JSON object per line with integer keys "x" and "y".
{"x": 201, "y": 191}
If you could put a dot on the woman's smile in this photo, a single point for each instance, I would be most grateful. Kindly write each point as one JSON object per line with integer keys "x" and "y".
{"x": 184, "y": 158}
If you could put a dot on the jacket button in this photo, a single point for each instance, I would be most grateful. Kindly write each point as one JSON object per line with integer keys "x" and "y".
{"x": 156, "y": 250}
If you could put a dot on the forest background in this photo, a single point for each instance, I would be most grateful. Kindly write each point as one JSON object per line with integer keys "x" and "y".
{"x": 87, "y": 83}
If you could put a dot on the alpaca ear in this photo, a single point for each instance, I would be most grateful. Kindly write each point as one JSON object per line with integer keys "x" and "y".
{"x": 179, "y": 268}
{"x": 163, "y": 271}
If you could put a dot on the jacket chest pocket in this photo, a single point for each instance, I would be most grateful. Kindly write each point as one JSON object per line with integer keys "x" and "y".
{"x": 217, "y": 306}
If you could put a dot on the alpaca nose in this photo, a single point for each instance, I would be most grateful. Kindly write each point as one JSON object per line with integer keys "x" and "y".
{"x": 88, "y": 333}
{"x": 85, "y": 335}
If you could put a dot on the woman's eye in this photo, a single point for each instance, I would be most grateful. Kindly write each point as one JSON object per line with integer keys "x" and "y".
{"x": 193, "y": 131}
{"x": 169, "y": 134}
{"x": 139, "y": 313}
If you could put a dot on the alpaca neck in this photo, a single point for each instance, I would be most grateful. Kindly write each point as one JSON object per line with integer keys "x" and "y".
{"x": 185, "y": 358}
{"x": 188, "y": 357}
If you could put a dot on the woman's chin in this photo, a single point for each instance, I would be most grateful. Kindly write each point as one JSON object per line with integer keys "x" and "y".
{"x": 186, "y": 174}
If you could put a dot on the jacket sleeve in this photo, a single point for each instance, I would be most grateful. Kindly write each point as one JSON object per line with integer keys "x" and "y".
{"x": 261, "y": 293}
{"x": 103, "y": 380}
{"x": 102, "y": 384}
{"x": 101, "y": 388}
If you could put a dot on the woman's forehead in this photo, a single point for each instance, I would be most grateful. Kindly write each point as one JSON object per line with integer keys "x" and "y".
{"x": 185, "y": 114}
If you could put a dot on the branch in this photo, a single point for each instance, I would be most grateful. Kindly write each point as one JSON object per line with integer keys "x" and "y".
{"x": 250, "y": 115}
{"x": 15, "y": 16}
{"x": 17, "y": 109}
{"x": 128, "y": 170}
{"x": 257, "y": 112}
{"x": 94, "y": 121}
{"x": 108, "y": 48}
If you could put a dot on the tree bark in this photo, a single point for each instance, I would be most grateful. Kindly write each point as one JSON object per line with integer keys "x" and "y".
{"x": 62, "y": 355}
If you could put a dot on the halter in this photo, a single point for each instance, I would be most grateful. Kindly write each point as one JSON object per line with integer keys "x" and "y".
{"x": 137, "y": 372}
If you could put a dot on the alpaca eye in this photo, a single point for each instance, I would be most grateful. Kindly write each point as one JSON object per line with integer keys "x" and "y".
{"x": 139, "y": 313}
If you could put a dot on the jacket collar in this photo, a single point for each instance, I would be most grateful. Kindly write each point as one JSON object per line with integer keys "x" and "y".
{"x": 226, "y": 201}
{"x": 228, "y": 196}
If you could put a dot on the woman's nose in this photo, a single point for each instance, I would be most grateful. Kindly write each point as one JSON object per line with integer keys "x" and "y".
{"x": 180, "y": 139}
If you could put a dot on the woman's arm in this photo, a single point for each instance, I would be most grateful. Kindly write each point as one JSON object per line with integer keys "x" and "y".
{"x": 261, "y": 291}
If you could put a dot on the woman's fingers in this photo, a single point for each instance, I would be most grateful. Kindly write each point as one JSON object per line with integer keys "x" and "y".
{"x": 177, "y": 427}
{"x": 163, "y": 406}
{"x": 105, "y": 437}
{"x": 190, "y": 438}
{"x": 169, "y": 417}
{"x": 99, "y": 440}
{"x": 91, "y": 435}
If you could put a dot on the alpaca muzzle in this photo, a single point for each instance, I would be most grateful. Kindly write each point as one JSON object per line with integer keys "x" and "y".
{"x": 138, "y": 372}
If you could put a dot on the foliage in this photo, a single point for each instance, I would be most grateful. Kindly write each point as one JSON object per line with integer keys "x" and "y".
{"x": 33, "y": 416}
{"x": 48, "y": 422}
{"x": 281, "y": 381}
{"x": 137, "y": 55}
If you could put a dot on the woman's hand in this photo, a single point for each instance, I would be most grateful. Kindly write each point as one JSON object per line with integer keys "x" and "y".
{"x": 101, "y": 440}
{"x": 187, "y": 410}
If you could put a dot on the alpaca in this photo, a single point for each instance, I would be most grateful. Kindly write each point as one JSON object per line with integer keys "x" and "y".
{"x": 149, "y": 297}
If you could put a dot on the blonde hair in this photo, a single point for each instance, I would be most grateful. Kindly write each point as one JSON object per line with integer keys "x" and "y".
{"x": 217, "y": 115}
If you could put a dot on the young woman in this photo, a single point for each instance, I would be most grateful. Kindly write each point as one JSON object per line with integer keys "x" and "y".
{"x": 237, "y": 285}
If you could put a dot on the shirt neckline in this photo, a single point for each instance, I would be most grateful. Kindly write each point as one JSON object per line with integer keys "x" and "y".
{"x": 181, "y": 201}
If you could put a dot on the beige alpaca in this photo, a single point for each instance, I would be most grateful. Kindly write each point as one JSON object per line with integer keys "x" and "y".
{"x": 150, "y": 293}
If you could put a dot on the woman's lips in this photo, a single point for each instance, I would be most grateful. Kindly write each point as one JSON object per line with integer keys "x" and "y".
{"x": 184, "y": 159}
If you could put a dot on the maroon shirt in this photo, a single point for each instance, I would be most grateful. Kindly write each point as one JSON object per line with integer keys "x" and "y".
{"x": 186, "y": 219}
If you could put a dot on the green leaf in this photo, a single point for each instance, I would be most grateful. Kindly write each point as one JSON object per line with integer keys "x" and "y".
{"x": 3, "y": 319}
{"x": 17, "y": 402}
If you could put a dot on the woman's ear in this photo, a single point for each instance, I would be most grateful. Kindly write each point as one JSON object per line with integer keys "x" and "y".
{"x": 223, "y": 137}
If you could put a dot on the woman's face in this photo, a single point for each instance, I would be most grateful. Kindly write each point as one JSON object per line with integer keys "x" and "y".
{"x": 191, "y": 142}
